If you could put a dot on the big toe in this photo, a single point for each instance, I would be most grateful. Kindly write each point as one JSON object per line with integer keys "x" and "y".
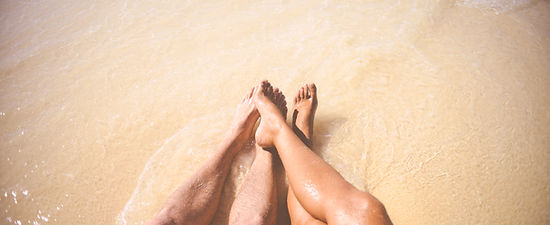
{"x": 312, "y": 89}
{"x": 262, "y": 88}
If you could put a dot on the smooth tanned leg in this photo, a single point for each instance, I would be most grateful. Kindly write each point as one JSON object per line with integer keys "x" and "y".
{"x": 196, "y": 201}
{"x": 298, "y": 215}
{"x": 305, "y": 105}
{"x": 256, "y": 202}
{"x": 320, "y": 189}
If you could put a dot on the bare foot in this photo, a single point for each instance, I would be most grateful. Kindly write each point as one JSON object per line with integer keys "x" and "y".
{"x": 272, "y": 107}
{"x": 246, "y": 116}
{"x": 303, "y": 112}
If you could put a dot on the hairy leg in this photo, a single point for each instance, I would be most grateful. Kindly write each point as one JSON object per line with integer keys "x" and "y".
{"x": 320, "y": 189}
{"x": 256, "y": 202}
{"x": 303, "y": 113}
{"x": 196, "y": 201}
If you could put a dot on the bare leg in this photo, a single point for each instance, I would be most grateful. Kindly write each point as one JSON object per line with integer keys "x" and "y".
{"x": 196, "y": 201}
{"x": 320, "y": 189}
{"x": 256, "y": 202}
{"x": 299, "y": 215}
{"x": 303, "y": 113}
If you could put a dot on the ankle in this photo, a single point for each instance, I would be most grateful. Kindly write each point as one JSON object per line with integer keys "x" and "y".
{"x": 280, "y": 129}
{"x": 240, "y": 127}
{"x": 240, "y": 130}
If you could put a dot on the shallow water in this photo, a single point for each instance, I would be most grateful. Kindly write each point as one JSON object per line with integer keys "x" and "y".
{"x": 439, "y": 108}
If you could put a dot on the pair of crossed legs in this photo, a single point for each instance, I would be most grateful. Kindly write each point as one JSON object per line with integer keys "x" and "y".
{"x": 317, "y": 193}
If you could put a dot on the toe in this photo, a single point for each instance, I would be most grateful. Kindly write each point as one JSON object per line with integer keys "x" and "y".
{"x": 248, "y": 95}
{"x": 261, "y": 87}
{"x": 265, "y": 85}
{"x": 251, "y": 92}
{"x": 312, "y": 89}
{"x": 276, "y": 95}
{"x": 259, "y": 90}
{"x": 270, "y": 91}
{"x": 282, "y": 106}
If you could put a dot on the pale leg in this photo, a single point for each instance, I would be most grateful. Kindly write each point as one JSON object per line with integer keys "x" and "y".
{"x": 196, "y": 201}
{"x": 256, "y": 202}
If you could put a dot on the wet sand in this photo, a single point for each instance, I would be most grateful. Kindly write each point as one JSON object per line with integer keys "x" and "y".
{"x": 441, "y": 109}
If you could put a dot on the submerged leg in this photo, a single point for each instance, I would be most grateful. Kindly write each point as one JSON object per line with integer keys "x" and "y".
{"x": 303, "y": 113}
{"x": 320, "y": 189}
{"x": 196, "y": 200}
{"x": 256, "y": 202}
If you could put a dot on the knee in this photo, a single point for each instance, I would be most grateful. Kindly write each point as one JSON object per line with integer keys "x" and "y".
{"x": 363, "y": 208}
{"x": 372, "y": 210}
{"x": 368, "y": 203}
